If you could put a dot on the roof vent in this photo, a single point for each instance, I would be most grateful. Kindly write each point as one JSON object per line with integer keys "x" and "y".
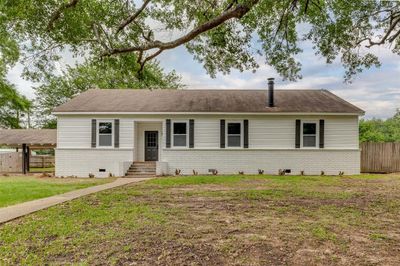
{"x": 271, "y": 92}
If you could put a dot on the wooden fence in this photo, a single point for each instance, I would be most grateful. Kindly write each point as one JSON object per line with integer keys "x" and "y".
{"x": 380, "y": 157}
{"x": 11, "y": 162}
{"x": 41, "y": 161}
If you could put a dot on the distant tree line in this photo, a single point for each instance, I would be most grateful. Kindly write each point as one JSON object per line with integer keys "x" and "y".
{"x": 380, "y": 130}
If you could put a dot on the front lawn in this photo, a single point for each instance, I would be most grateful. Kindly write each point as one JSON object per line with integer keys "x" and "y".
{"x": 41, "y": 170}
{"x": 17, "y": 189}
{"x": 218, "y": 220}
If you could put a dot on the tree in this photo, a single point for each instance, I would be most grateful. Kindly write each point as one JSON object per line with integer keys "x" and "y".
{"x": 378, "y": 130}
{"x": 109, "y": 73}
{"x": 221, "y": 34}
{"x": 22, "y": 40}
{"x": 12, "y": 106}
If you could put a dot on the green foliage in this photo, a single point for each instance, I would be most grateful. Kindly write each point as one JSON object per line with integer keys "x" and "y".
{"x": 12, "y": 106}
{"x": 25, "y": 37}
{"x": 273, "y": 29}
{"x": 378, "y": 130}
{"x": 9, "y": 50}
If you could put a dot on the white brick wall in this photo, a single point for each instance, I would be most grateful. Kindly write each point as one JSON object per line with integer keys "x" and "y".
{"x": 249, "y": 161}
{"x": 271, "y": 145}
{"x": 81, "y": 162}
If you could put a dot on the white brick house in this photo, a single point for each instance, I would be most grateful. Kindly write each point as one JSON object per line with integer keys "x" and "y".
{"x": 105, "y": 131}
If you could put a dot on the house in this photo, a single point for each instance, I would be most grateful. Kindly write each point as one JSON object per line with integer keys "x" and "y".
{"x": 105, "y": 131}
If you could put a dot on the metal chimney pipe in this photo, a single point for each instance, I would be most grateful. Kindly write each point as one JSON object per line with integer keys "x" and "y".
{"x": 271, "y": 102}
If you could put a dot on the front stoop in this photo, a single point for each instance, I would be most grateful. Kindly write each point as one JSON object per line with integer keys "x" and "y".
{"x": 141, "y": 169}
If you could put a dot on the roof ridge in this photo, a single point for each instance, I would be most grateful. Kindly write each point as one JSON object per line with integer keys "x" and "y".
{"x": 172, "y": 90}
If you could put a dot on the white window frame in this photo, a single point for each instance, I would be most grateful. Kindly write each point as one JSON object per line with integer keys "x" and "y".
{"x": 98, "y": 134}
{"x": 316, "y": 122}
{"x": 187, "y": 134}
{"x": 241, "y": 134}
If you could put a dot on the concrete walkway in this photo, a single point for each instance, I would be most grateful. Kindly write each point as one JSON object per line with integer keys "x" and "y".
{"x": 12, "y": 212}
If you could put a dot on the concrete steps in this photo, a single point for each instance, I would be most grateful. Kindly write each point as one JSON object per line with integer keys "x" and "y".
{"x": 141, "y": 169}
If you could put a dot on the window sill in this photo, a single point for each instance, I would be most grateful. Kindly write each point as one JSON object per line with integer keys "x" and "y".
{"x": 105, "y": 147}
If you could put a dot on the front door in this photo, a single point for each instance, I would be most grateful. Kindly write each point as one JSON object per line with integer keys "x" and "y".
{"x": 151, "y": 145}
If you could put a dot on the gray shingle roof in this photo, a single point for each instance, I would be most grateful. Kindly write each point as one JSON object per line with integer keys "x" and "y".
{"x": 207, "y": 101}
{"x": 32, "y": 137}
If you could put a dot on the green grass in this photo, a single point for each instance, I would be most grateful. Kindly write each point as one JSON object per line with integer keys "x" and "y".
{"x": 19, "y": 189}
{"x": 378, "y": 237}
{"x": 322, "y": 233}
{"x": 217, "y": 220}
{"x": 41, "y": 170}
{"x": 197, "y": 180}
{"x": 234, "y": 179}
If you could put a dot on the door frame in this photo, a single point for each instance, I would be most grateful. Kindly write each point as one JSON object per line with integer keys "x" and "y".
{"x": 145, "y": 145}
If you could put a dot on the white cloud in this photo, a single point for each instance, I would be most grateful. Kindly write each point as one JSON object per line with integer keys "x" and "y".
{"x": 312, "y": 82}
{"x": 378, "y": 109}
{"x": 23, "y": 86}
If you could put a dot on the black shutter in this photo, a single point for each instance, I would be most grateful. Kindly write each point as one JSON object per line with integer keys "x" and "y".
{"x": 321, "y": 133}
{"x": 298, "y": 126}
{"x": 116, "y": 133}
{"x": 191, "y": 133}
{"x": 94, "y": 133}
{"x": 222, "y": 133}
{"x": 246, "y": 133}
{"x": 168, "y": 128}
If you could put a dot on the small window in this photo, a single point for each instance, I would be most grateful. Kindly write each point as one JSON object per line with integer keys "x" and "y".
{"x": 309, "y": 134}
{"x": 180, "y": 134}
{"x": 105, "y": 134}
{"x": 234, "y": 135}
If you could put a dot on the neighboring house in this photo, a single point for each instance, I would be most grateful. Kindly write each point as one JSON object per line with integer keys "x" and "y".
{"x": 104, "y": 131}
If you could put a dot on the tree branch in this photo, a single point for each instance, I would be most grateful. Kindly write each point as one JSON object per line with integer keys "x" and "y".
{"x": 238, "y": 12}
{"x": 230, "y": 5}
{"x": 393, "y": 37}
{"x": 392, "y": 26}
{"x": 98, "y": 37}
{"x": 132, "y": 17}
{"x": 148, "y": 59}
{"x": 57, "y": 14}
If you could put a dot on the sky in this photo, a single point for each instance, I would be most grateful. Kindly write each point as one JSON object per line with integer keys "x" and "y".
{"x": 376, "y": 91}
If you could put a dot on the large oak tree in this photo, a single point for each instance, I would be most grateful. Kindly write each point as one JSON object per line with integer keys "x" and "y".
{"x": 221, "y": 34}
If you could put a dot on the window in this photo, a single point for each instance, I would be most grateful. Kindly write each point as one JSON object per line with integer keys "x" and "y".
{"x": 180, "y": 134}
{"x": 309, "y": 134}
{"x": 105, "y": 135}
{"x": 234, "y": 134}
